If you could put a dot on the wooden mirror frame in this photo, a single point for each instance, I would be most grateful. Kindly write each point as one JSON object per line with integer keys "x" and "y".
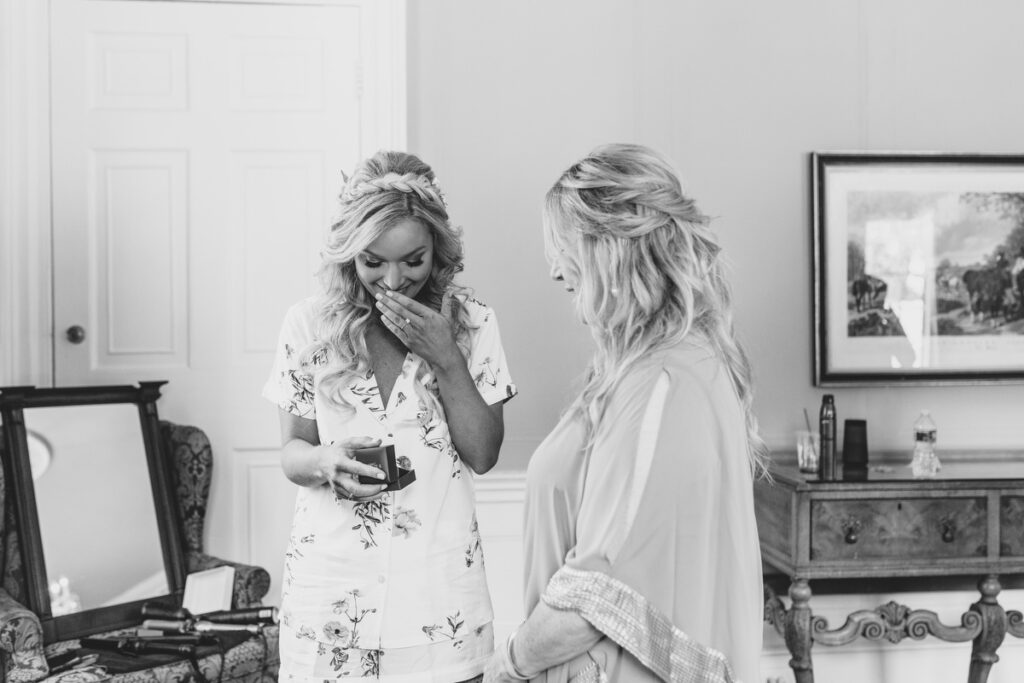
{"x": 13, "y": 402}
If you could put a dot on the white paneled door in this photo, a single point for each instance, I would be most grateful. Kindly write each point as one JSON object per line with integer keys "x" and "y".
{"x": 196, "y": 152}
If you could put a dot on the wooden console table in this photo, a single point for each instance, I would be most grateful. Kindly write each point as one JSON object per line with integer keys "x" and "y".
{"x": 967, "y": 522}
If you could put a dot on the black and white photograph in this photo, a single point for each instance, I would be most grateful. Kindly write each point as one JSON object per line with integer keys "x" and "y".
{"x": 919, "y": 266}
{"x": 564, "y": 341}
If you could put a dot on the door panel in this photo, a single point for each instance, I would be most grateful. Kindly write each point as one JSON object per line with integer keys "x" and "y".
{"x": 139, "y": 207}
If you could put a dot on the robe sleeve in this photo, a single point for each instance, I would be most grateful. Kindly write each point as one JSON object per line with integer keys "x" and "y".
{"x": 650, "y": 568}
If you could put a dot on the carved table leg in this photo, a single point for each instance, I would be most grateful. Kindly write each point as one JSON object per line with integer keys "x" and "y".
{"x": 993, "y": 630}
{"x": 798, "y": 631}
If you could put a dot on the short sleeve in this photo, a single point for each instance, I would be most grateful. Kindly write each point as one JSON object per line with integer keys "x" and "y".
{"x": 290, "y": 384}
{"x": 487, "y": 364}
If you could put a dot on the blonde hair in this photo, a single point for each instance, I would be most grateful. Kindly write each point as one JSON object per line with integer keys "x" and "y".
{"x": 648, "y": 271}
{"x": 384, "y": 190}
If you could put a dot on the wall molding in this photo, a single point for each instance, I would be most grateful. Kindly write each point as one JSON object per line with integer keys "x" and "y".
{"x": 501, "y": 487}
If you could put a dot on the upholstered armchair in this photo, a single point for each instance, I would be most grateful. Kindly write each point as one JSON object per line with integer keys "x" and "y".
{"x": 21, "y": 635}
{"x": 22, "y": 650}
{"x": 190, "y": 452}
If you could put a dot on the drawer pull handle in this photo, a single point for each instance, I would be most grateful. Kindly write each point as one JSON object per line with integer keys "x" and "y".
{"x": 851, "y": 529}
{"x": 948, "y": 531}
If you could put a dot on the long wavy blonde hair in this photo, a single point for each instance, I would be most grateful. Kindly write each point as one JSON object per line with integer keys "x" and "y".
{"x": 384, "y": 190}
{"x": 648, "y": 272}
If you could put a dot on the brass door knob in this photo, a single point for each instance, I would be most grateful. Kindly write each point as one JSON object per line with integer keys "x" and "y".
{"x": 75, "y": 334}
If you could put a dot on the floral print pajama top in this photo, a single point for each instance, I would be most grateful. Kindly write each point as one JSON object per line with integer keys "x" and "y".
{"x": 392, "y": 589}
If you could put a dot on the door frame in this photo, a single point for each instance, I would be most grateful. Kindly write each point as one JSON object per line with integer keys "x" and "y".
{"x": 26, "y": 344}
{"x": 26, "y": 222}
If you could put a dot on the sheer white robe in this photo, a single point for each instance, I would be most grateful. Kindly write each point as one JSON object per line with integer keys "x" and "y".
{"x": 651, "y": 534}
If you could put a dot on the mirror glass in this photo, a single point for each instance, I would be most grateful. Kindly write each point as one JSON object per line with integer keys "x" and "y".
{"x": 97, "y": 516}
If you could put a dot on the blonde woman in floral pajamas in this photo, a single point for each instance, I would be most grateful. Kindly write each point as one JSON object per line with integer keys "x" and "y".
{"x": 388, "y": 585}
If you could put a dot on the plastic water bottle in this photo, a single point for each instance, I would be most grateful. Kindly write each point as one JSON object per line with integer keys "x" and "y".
{"x": 925, "y": 463}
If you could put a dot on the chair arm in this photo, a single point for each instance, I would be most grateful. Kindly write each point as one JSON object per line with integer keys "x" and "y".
{"x": 251, "y": 582}
{"x": 21, "y": 641}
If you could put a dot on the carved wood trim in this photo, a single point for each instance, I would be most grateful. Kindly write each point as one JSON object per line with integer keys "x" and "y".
{"x": 1015, "y": 623}
{"x": 894, "y": 622}
{"x": 774, "y": 611}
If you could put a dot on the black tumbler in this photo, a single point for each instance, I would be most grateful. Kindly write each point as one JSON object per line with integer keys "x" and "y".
{"x": 855, "y": 449}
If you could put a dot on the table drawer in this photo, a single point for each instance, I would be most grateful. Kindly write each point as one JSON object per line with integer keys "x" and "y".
{"x": 1011, "y": 526}
{"x": 898, "y": 528}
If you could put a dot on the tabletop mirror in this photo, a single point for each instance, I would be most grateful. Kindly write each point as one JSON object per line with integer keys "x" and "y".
{"x": 93, "y": 501}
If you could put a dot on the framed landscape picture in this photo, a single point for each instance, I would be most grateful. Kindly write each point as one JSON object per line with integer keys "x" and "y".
{"x": 918, "y": 268}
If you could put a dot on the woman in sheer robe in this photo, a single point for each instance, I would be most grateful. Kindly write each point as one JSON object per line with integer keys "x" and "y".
{"x": 642, "y": 557}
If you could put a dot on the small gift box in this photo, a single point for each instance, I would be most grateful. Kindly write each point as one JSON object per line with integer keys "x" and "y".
{"x": 383, "y": 458}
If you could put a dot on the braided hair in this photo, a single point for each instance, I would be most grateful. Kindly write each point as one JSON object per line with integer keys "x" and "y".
{"x": 649, "y": 272}
{"x": 423, "y": 186}
{"x": 383, "y": 191}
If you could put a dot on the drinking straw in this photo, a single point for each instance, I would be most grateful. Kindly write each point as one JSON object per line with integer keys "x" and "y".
{"x": 807, "y": 419}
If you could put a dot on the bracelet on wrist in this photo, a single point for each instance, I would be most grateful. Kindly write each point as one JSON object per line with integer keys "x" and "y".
{"x": 511, "y": 667}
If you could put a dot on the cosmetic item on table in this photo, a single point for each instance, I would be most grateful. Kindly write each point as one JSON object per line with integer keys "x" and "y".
{"x": 168, "y": 625}
{"x": 196, "y": 626}
{"x": 209, "y": 627}
{"x": 158, "y": 610}
{"x": 181, "y": 639}
{"x": 827, "y": 430}
{"x": 70, "y": 661}
{"x": 138, "y": 646}
{"x": 855, "y": 450}
{"x": 251, "y": 615}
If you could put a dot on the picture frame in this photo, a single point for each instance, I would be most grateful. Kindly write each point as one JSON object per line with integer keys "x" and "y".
{"x": 918, "y": 268}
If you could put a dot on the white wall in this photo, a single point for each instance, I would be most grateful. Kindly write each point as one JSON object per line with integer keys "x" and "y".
{"x": 503, "y": 96}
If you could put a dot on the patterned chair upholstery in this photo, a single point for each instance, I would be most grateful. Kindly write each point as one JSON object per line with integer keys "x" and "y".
{"x": 192, "y": 457}
{"x": 254, "y": 660}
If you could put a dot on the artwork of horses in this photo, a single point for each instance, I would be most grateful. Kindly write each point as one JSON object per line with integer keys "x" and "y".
{"x": 919, "y": 267}
{"x": 950, "y": 263}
